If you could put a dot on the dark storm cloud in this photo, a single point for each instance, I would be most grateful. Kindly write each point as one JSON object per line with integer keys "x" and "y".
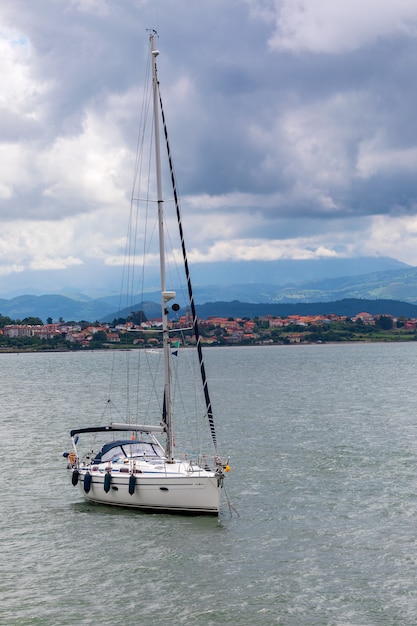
{"x": 287, "y": 136}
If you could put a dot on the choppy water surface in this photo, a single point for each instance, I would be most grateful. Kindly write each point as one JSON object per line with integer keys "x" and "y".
{"x": 323, "y": 453}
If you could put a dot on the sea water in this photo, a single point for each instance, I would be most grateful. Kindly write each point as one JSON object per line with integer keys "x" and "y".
{"x": 319, "y": 516}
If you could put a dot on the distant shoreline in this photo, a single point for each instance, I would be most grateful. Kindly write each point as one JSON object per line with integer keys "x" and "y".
{"x": 9, "y": 350}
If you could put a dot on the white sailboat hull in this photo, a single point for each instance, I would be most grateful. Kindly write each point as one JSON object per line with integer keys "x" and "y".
{"x": 198, "y": 493}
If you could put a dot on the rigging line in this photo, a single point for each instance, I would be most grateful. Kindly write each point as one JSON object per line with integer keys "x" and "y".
{"x": 229, "y": 503}
{"x": 137, "y": 184}
{"x": 130, "y": 252}
{"x": 191, "y": 417}
{"x": 136, "y": 284}
{"x": 128, "y": 269}
{"x": 188, "y": 278}
{"x": 174, "y": 268}
{"x": 139, "y": 203}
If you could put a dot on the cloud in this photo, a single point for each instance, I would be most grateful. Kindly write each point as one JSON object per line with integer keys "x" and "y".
{"x": 375, "y": 158}
{"x": 325, "y": 26}
{"x": 292, "y": 128}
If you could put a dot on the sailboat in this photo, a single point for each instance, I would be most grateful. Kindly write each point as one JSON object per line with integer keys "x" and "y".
{"x": 133, "y": 464}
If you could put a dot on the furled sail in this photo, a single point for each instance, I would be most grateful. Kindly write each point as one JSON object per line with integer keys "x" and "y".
{"x": 189, "y": 285}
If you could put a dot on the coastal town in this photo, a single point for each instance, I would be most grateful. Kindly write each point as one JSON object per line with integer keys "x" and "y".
{"x": 31, "y": 333}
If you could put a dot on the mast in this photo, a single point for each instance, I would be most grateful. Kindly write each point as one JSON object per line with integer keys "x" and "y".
{"x": 166, "y": 296}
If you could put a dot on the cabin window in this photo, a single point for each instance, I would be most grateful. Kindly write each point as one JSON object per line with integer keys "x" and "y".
{"x": 141, "y": 448}
{"x": 114, "y": 455}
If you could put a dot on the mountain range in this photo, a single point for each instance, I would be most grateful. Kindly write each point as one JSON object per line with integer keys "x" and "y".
{"x": 334, "y": 283}
{"x": 98, "y": 280}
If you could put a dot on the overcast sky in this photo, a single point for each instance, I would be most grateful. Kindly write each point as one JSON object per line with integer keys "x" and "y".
{"x": 293, "y": 127}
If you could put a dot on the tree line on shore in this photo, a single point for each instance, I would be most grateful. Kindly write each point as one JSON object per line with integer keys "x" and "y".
{"x": 382, "y": 328}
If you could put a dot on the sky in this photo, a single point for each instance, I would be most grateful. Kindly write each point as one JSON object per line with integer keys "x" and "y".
{"x": 292, "y": 124}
